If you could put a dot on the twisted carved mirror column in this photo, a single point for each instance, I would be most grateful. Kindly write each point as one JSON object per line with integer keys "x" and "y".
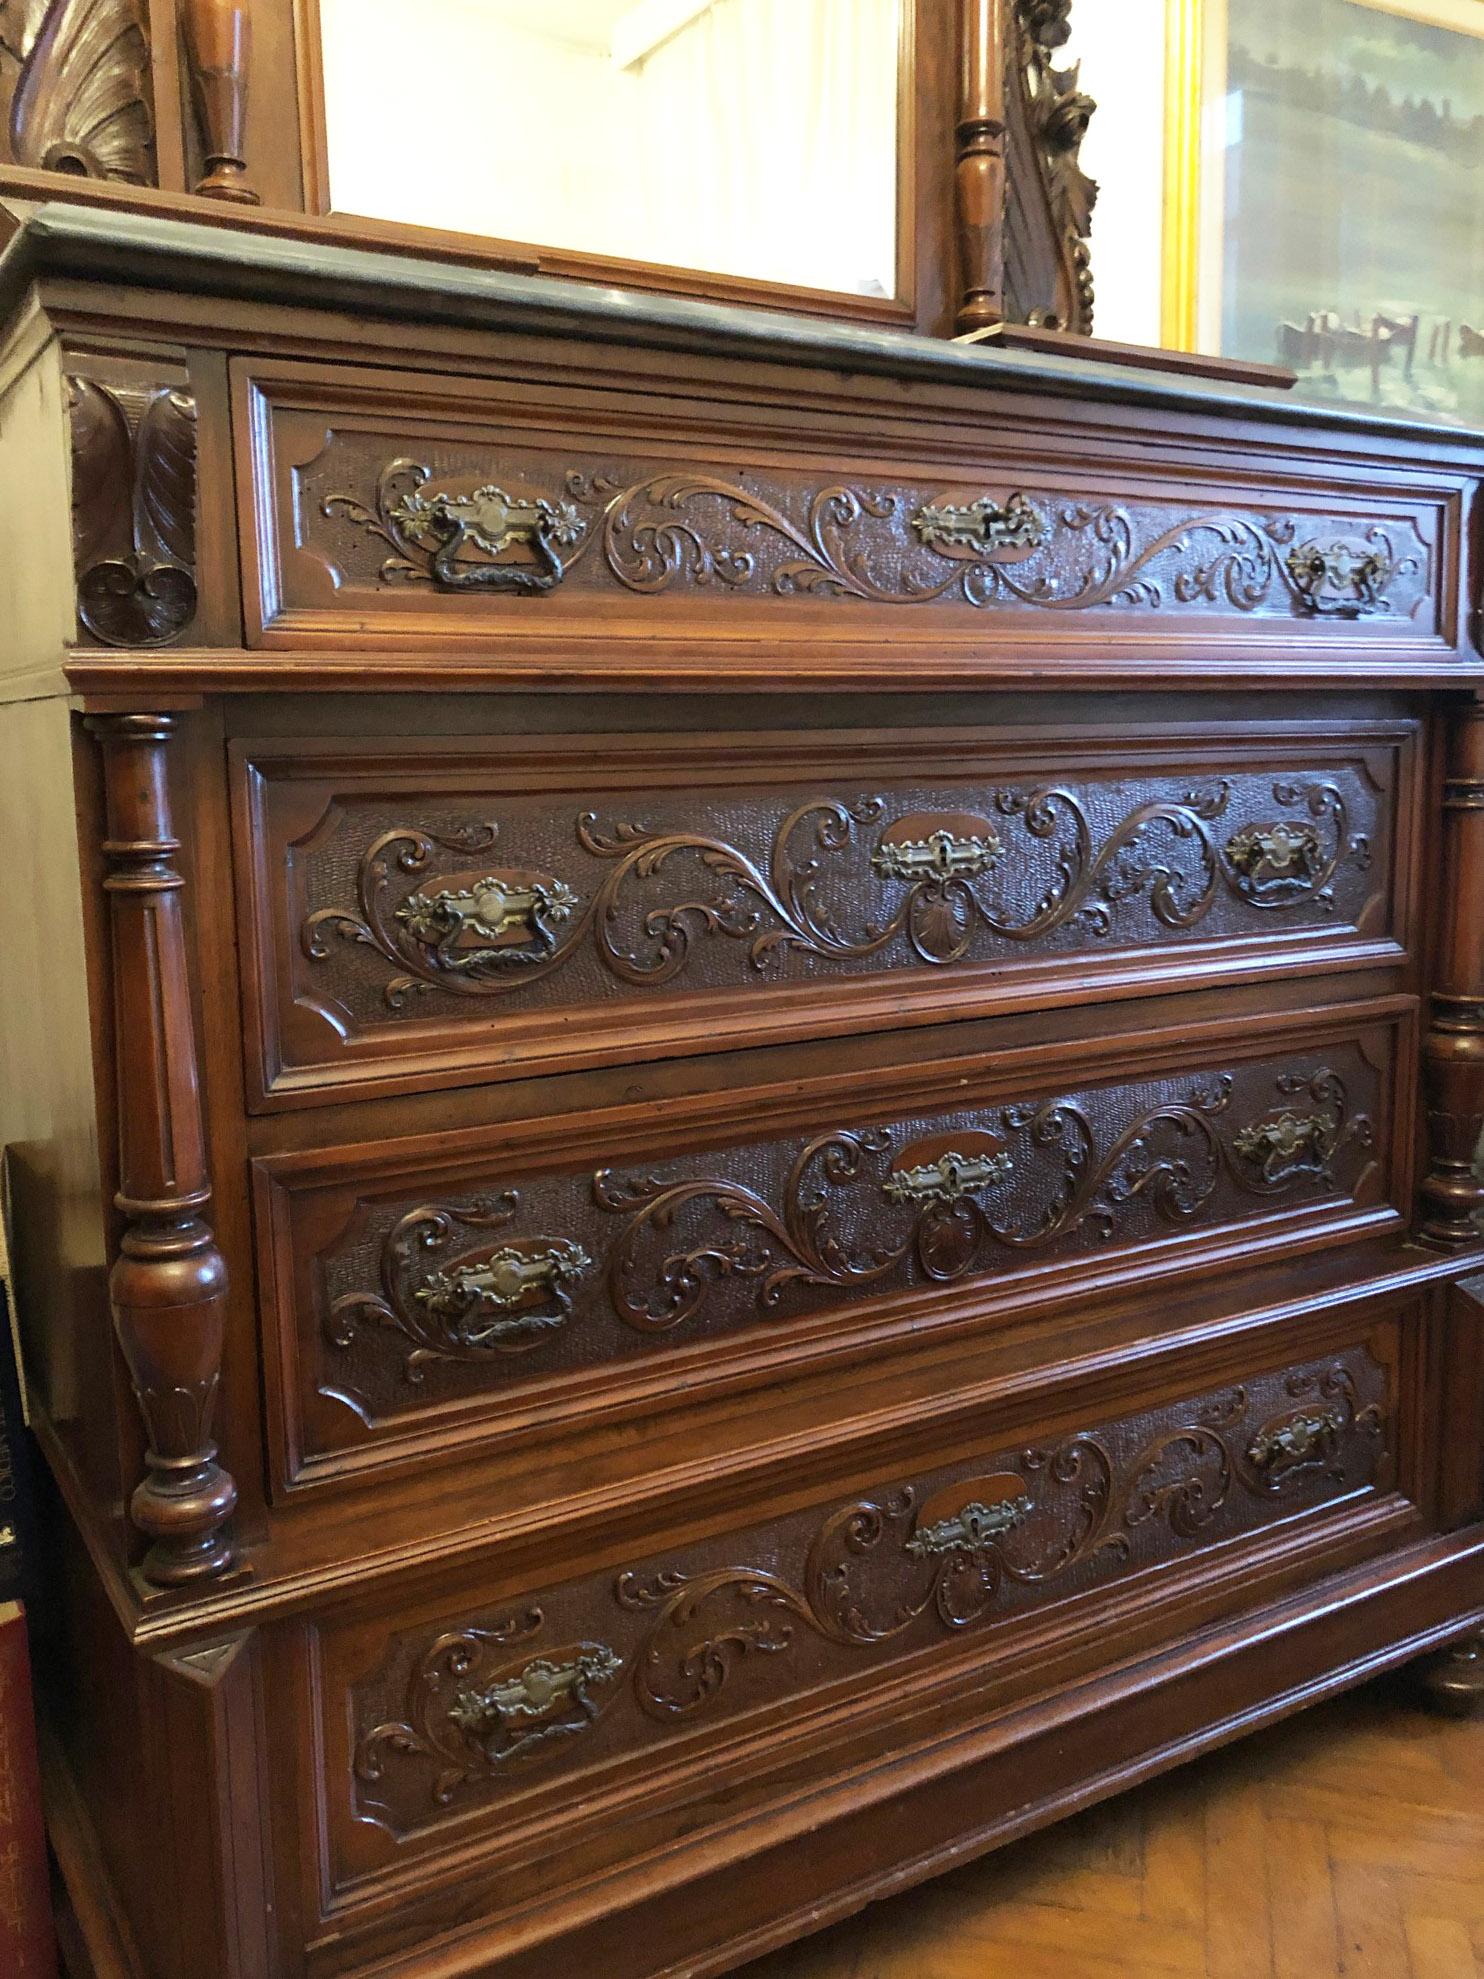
{"x": 1024, "y": 204}
{"x": 168, "y": 1286}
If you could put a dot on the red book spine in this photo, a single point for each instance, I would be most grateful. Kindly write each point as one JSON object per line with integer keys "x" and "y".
{"x": 28, "y": 1945}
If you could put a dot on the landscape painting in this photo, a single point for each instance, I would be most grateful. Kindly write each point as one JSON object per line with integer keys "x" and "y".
{"x": 1348, "y": 182}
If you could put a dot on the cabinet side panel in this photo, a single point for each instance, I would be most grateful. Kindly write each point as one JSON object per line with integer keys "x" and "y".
{"x": 36, "y": 581}
{"x": 48, "y": 1111}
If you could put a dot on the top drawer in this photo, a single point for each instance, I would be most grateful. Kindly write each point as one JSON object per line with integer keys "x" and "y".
{"x": 380, "y": 509}
{"x": 435, "y": 911}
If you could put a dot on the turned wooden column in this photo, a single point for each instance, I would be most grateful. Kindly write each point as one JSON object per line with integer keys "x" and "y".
{"x": 218, "y": 44}
{"x": 979, "y": 176}
{"x": 168, "y": 1286}
{"x": 1453, "y": 1073}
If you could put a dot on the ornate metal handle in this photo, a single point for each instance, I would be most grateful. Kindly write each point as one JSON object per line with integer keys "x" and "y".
{"x": 983, "y": 525}
{"x": 448, "y": 526}
{"x": 527, "y": 1288}
{"x": 942, "y": 856}
{"x": 544, "y": 1700}
{"x": 1339, "y": 581}
{"x": 1287, "y": 1143}
{"x": 481, "y": 925}
{"x": 1282, "y": 851}
{"x": 972, "y": 1528}
{"x": 1299, "y": 1439}
{"x": 948, "y": 1179}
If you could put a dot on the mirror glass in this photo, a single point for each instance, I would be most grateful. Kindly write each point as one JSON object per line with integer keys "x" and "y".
{"x": 733, "y": 137}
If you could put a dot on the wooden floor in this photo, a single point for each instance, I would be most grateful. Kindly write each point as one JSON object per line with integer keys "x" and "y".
{"x": 1346, "y": 1841}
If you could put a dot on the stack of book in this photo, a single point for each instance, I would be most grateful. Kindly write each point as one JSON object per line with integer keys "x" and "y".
{"x": 27, "y": 1940}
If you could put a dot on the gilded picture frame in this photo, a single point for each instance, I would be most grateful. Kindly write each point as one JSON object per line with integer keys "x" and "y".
{"x": 1347, "y": 239}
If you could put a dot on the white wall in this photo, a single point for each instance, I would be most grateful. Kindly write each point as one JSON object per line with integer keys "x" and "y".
{"x": 1121, "y": 45}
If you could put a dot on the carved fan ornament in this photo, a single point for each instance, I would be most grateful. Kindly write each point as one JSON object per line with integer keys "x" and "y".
{"x": 133, "y": 509}
{"x": 690, "y": 527}
{"x": 484, "y": 1702}
{"x": 859, "y": 1208}
{"x": 77, "y": 79}
{"x": 492, "y": 930}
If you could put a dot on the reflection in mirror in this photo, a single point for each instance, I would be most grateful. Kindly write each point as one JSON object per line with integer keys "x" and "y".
{"x": 736, "y": 137}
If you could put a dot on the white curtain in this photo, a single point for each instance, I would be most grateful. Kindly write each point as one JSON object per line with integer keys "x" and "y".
{"x": 765, "y": 144}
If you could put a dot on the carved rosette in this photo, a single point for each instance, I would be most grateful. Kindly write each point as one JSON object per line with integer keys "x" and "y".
{"x": 75, "y": 87}
{"x": 169, "y": 1284}
{"x": 133, "y": 509}
{"x": 493, "y": 531}
{"x": 931, "y": 890}
{"x": 607, "y": 1667}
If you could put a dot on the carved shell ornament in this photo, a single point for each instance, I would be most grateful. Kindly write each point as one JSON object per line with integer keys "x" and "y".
{"x": 928, "y": 888}
{"x": 79, "y": 96}
{"x": 676, "y": 528}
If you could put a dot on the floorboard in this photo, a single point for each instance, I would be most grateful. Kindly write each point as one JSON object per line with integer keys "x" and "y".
{"x": 1344, "y": 1844}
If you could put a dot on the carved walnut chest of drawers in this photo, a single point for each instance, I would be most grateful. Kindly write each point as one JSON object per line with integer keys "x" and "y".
{"x": 741, "y": 1065}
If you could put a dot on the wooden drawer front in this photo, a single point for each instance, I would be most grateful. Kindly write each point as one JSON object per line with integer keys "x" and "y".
{"x": 535, "y": 1709}
{"x": 373, "y": 513}
{"x": 545, "y": 1271}
{"x": 460, "y": 912}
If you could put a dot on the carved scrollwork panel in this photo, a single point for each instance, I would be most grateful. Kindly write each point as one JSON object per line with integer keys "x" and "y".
{"x": 515, "y": 522}
{"x": 540, "y": 902}
{"x": 595, "y": 1266}
{"x": 602, "y": 1669}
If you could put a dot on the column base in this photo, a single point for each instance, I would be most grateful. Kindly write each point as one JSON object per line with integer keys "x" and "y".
{"x": 1452, "y": 1682}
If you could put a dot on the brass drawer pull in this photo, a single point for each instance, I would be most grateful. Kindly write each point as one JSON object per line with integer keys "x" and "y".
{"x": 453, "y": 539}
{"x": 514, "y": 1283}
{"x": 984, "y": 525}
{"x": 1289, "y": 1144}
{"x": 948, "y": 1179}
{"x": 976, "y": 1526}
{"x": 1280, "y": 855}
{"x": 538, "y": 1694}
{"x": 480, "y": 926}
{"x": 1302, "y": 1439}
{"x": 1336, "y": 580}
{"x": 943, "y": 856}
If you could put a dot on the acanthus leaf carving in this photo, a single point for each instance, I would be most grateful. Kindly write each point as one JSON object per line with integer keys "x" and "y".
{"x": 134, "y": 509}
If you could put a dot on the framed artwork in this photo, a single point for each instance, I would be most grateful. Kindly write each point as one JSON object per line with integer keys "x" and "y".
{"x": 1324, "y": 193}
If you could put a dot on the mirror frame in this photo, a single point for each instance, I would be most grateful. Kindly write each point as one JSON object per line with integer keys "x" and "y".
{"x": 222, "y": 105}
